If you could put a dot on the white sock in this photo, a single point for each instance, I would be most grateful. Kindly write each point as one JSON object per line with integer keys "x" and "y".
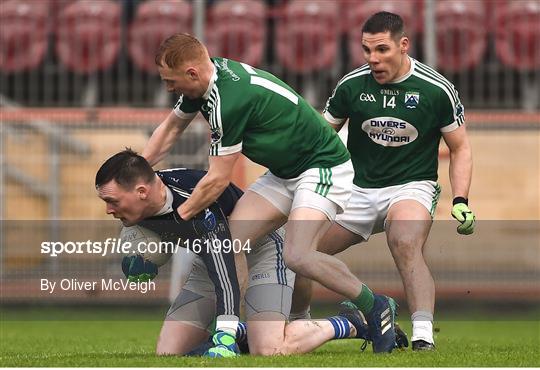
{"x": 227, "y": 324}
{"x": 422, "y": 322}
{"x": 302, "y": 315}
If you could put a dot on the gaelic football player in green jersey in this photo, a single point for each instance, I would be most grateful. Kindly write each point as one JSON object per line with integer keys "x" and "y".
{"x": 398, "y": 109}
{"x": 309, "y": 181}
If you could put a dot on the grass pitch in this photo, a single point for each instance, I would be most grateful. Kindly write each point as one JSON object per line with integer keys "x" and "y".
{"x": 82, "y": 337}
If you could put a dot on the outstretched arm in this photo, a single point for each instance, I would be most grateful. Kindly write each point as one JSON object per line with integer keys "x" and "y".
{"x": 210, "y": 186}
{"x": 163, "y": 138}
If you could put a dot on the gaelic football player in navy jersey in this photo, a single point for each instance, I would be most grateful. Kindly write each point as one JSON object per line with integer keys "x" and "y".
{"x": 135, "y": 194}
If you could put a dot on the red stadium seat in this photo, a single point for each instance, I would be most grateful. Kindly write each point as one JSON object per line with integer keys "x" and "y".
{"x": 358, "y": 13}
{"x": 58, "y": 5}
{"x": 88, "y": 35}
{"x": 155, "y": 20}
{"x": 24, "y": 34}
{"x": 237, "y": 30}
{"x": 461, "y": 36}
{"x": 307, "y": 35}
{"x": 517, "y": 34}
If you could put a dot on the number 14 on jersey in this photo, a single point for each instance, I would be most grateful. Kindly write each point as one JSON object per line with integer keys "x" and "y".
{"x": 389, "y": 101}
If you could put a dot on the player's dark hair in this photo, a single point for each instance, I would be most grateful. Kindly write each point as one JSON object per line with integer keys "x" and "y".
{"x": 126, "y": 168}
{"x": 382, "y": 22}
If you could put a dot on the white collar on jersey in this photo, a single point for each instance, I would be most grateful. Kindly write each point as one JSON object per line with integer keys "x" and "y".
{"x": 211, "y": 84}
{"x": 167, "y": 207}
{"x": 406, "y": 75}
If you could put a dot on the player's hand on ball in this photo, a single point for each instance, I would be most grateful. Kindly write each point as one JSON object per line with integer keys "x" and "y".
{"x": 462, "y": 213}
{"x": 137, "y": 269}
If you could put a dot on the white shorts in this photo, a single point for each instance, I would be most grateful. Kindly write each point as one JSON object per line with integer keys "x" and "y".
{"x": 270, "y": 286}
{"x": 325, "y": 189}
{"x": 367, "y": 209}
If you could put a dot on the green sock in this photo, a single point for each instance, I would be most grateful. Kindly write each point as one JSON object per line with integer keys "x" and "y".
{"x": 364, "y": 301}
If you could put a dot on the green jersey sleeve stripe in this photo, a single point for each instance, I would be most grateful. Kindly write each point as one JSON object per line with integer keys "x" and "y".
{"x": 364, "y": 70}
{"x": 430, "y": 72}
{"x": 451, "y": 127}
{"x": 434, "y": 73}
{"x": 183, "y": 115}
{"x": 333, "y": 120}
{"x": 356, "y": 73}
{"x": 213, "y": 99}
{"x": 179, "y": 112}
{"x": 216, "y": 124}
{"x": 215, "y": 119}
{"x": 451, "y": 97}
{"x": 224, "y": 150}
{"x": 447, "y": 85}
{"x": 436, "y": 76}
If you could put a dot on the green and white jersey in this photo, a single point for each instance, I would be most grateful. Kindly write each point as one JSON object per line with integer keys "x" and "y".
{"x": 252, "y": 111}
{"x": 395, "y": 128}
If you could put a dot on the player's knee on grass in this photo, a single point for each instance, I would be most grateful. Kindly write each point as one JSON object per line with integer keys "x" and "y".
{"x": 179, "y": 338}
{"x": 188, "y": 321}
{"x": 267, "y": 307}
{"x": 266, "y": 333}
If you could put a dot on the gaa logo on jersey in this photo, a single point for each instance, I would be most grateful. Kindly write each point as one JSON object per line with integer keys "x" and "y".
{"x": 389, "y": 131}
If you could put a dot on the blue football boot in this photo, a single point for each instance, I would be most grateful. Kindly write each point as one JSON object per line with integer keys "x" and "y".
{"x": 224, "y": 346}
{"x": 381, "y": 324}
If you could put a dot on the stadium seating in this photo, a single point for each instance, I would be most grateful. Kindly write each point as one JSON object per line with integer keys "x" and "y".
{"x": 237, "y": 29}
{"x": 24, "y": 35}
{"x": 461, "y": 34}
{"x": 154, "y": 21}
{"x": 56, "y": 6}
{"x": 517, "y": 33}
{"x": 358, "y": 14}
{"x": 307, "y": 35}
{"x": 88, "y": 35}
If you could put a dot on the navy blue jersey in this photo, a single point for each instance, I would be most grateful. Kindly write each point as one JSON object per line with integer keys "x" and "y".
{"x": 201, "y": 231}
{"x": 187, "y": 179}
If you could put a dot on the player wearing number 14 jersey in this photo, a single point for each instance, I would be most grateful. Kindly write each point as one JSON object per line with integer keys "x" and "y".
{"x": 309, "y": 180}
{"x": 398, "y": 109}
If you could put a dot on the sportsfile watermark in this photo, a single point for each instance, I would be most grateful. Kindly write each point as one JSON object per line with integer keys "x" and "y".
{"x": 80, "y": 262}
{"x": 118, "y": 246}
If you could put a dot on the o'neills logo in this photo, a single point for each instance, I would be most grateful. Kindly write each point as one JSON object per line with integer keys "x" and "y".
{"x": 390, "y": 131}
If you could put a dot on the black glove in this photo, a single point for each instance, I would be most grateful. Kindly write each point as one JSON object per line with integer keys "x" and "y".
{"x": 136, "y": 268}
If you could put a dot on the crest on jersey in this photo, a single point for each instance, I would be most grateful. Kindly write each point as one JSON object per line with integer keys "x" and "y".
{"x": 215, "y": 136}
{"x": 209, "y": 220}
{"x": 412, "y": 99}
{"x": 459, "y": 110}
